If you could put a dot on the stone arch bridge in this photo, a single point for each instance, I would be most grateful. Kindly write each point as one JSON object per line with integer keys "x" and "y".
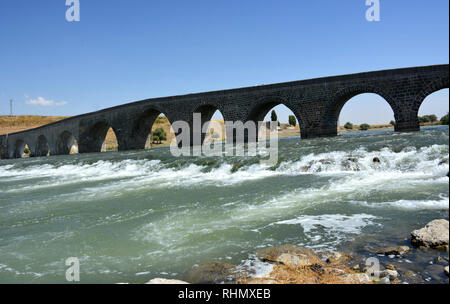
{"x": 316, "y": 103}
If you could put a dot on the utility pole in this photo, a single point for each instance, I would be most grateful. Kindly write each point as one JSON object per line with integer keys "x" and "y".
{"x": 11, "y": 107}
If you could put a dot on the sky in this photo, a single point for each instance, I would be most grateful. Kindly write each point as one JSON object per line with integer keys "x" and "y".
{"x": 127, "y": 50}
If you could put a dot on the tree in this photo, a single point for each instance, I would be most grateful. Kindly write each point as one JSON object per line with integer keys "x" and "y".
{"x": 433, "y": 118}
{"x": 292, "y": 120}
{"x": 424, "y": 119}
{"x": 364, "y": 127}
{"x": 273, "y": 116}
{"x": 428, "y": 118}
{"x": 159, "y": 135}
{"x": 348, "y": 126}
{"x": 444, "y": 120}
{"x": 392, "y": 123}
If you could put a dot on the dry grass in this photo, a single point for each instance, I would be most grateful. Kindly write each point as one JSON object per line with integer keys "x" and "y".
{"x": 20, "y": 123}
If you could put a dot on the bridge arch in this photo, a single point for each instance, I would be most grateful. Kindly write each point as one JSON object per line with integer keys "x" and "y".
{"x": 94, "y": 139}
{"x": 42, "y": 147}
{"x": 432, "y": 88}
{"x": 207, "y": 111}
{"x": 19, "y": 148}
{"x": 262, "y": 108}
{"x": 333, "y": 109}
{"x": 66, "y": 143}
{"x": 141, "y": 134}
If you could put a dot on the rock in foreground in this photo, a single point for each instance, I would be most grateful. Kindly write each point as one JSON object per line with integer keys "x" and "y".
{"x": 166, "y": 281}
{"x": 290, "y": 256}
{"x": 434, "y": 235}
{"x": 297, "y": 265}
{"x": 395, "y": 250}
{"x": 212, "y": 273}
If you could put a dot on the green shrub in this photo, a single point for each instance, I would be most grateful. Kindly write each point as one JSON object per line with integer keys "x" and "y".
{"x": 392, "y": 123}
{"x": 292, "y": 120}
{"x": 348, "y": 126}
{"x": 428, "y": 118}
{"x": 433, "y": 118}
{"x": 159, "y": 135}
{"x": 444, "y": 120}
{"x": 364, "y": 127}
{"x": 423, "y": 119}
{"x": 273, "y": 116}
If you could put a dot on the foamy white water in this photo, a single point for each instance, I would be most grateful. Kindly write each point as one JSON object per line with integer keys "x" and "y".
{"x": 130, "y": 217}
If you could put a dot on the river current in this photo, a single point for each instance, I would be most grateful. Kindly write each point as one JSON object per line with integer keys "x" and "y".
{"x": 133, "y": 216}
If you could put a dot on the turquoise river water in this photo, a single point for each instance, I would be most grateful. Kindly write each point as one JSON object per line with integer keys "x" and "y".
{"x": 133, "y": 216}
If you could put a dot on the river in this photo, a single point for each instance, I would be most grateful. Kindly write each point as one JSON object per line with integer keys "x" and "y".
{"x": 133, "y": 216}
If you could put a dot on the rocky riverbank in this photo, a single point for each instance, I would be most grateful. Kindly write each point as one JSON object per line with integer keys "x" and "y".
{"x": 384, "y": 264}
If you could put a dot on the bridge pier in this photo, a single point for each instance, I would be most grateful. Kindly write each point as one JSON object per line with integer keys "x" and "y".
{"x": 412, "y": 125}
{"x": 309, "y": 132}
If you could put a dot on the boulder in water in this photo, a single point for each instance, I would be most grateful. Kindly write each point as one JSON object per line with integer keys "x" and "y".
{"x": 376, "y": 160}
{"x": 396, "y": 250}
{"x": 434, "y": 235}
{"x": 291, "y": 256}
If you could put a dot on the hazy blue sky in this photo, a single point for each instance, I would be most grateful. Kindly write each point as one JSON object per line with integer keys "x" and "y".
{"x": 123, "y": 51}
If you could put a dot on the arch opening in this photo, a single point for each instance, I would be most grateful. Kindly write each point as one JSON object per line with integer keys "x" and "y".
{"x": 213, "y": 124}
{"x": 434, "y": 108}
{"x": 153, "y": 129}
{"x": 111, "y": 142}
{"x": 103, "y": 138}
{"x": 286, "y": 120}
{"x": 42, "y": 147}
{"x": 67, "y": 144}
{"x": 21, "y": 149}
{"x": 364, "y": 111}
